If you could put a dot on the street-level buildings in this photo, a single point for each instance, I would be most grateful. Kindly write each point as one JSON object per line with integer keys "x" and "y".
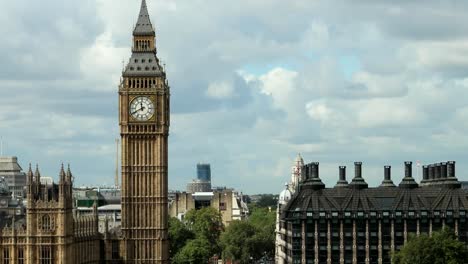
{"x": 353, "y": 223}
{"x": 228, "y": 202}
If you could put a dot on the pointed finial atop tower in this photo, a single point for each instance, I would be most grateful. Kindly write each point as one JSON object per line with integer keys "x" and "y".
{"x": 62, "y": 174}
{"x": 30, "y": 173}
{"x": 143, "y": 26}
{"x": 37, "y": 174}
{"x": 69, "y": 176}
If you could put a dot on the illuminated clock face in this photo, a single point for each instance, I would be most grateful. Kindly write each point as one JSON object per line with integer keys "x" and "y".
{"x": 142, "y": 108}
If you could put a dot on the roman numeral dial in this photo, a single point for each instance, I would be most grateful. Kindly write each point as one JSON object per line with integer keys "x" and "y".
{"x": 142, "y": 108}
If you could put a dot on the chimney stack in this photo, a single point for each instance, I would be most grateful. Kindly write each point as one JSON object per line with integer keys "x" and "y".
{"x": 408, "y": 169}
{"x": 313, "y": 181}
{"x": 408, "y": 181}
{"x": 358, "y": 182}
{"x": 387, "y": 182}
{"x": 451, "y": 169}
{"x": 358, "y": 169}
{"x": 315, "y": 170}
{"x": 342, "y": 182}
{"x": 451, "y": 181}
{"x": 436, "y": 173}
{"x": 443, "y": 171}
{"x": 425, "y": 180}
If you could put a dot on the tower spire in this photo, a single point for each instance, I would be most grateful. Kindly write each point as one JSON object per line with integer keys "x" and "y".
{"x": 143, "y": 26}
{"x": 62, "y": 175}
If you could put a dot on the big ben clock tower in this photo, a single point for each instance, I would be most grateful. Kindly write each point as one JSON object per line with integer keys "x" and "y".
{"x": 144, "y": 128}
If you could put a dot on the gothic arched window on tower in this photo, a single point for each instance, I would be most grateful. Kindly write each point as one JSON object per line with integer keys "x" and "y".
{"x": 46, "y": 255}
{"x": 20, "y": 255}
{"x": 6, "y": 256}
{"x": 46, "y": 223}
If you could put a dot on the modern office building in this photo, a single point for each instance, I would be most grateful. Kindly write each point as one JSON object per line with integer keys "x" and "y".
{"x": 204, "y": 172}
{"x": 354, "y": 223}
{"x": 13, "y": 174}
{"x": 203, "y": 181}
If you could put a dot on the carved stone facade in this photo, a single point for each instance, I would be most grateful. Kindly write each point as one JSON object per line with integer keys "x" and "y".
{"x": 49, "y": 233}
{"x": 144, "y": 130}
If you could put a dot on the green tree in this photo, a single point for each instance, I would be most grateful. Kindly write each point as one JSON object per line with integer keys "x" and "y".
{"x": 194, "y": 252}
{"x": 441, "y": 248}
{"x": 206, "y": 223}
{"x": 238, "y": 241}
{"x": 264, "y": 221}
{"x": 179, "y": 234}
{"x": 253, "y": 238}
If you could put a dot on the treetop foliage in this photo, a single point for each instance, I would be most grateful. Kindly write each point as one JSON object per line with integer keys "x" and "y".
{"x": 440, "y": 248}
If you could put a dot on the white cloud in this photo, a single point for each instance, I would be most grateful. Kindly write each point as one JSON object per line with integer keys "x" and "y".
{"x": 220, "y": 90}
{"x": 406, "y": 98}
{"x": 103, "y": 58}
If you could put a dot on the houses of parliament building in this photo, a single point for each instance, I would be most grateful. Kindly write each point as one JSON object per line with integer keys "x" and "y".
{"x": 49, "y": 231}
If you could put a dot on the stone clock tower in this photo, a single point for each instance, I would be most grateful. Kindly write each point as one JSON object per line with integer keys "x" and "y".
{"x": 144, "y": 129}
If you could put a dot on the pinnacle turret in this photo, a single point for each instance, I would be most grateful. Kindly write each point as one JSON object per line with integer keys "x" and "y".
{"x": 37, "y": 175}
{"x": 30, "y": 174}
{"x": 69, "y": 176}
{"x": 62, "y": 174}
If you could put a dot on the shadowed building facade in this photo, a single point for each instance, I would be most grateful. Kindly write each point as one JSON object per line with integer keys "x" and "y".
{"x": 352, "y": 223}
{"x": 144, "y": 129}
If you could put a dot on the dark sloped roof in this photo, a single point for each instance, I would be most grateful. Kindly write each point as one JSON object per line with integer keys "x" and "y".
{"x": 379, "y": 199}
{"x": 143, "y": 26}
{"x": 143, "y": 64}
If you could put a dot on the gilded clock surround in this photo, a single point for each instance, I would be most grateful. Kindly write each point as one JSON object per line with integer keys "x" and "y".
{"x": 153, "y": 100}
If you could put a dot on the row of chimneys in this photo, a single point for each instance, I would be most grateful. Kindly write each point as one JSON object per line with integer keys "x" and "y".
{"x": 439, "y": 174}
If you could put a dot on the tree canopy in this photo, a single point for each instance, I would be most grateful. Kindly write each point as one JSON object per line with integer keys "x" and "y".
{"x": 196, "y": 238}
{"x": 253, "y": 239}
{"x": 441, "y": 248}
{"x": 179, "y": 234}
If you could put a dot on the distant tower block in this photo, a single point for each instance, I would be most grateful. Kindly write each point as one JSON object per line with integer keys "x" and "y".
{"x": 204, "y": 172}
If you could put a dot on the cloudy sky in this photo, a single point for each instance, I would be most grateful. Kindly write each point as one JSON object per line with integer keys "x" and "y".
{"x": 253, "y": 83}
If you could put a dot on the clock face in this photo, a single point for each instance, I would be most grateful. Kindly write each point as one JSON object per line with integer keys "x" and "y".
{"x": 142, "y": 108}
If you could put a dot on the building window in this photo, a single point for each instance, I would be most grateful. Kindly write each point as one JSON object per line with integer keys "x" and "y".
{"x": 6, "y": 256}
{"x": 222, "y": 206}
{"x": 46, "y": 223}
{"x": 46, "y": 255}
{"x": 115, "y": 250}
{"x": 20, "y": 255}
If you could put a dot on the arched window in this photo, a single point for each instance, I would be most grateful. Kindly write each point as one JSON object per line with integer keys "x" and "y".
{"x": 46, "y": 223}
